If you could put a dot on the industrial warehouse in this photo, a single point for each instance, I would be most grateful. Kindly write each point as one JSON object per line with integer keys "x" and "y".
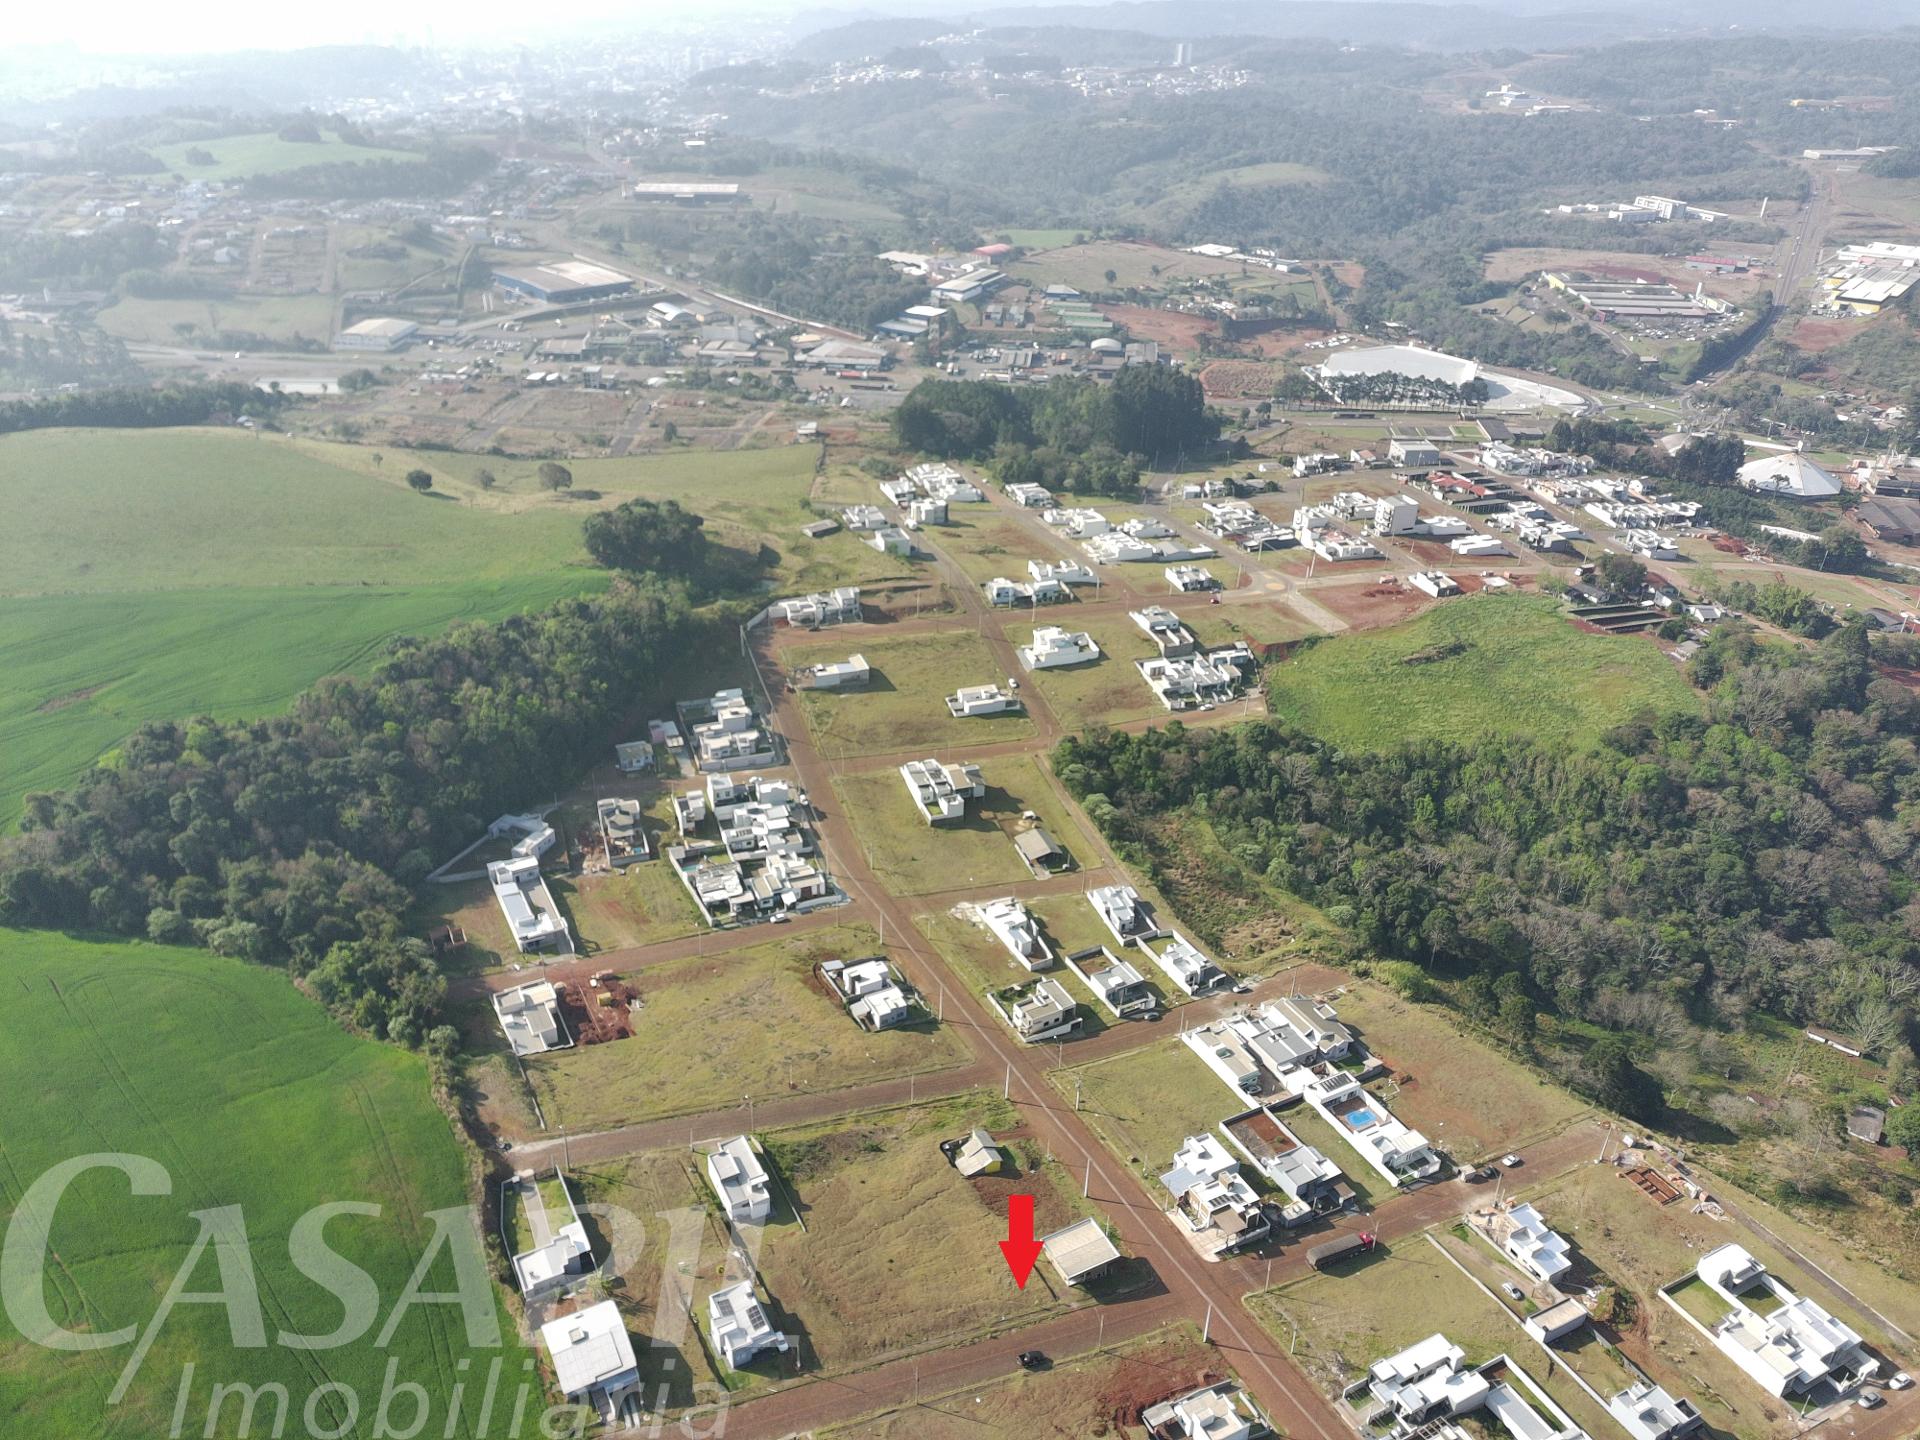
{"x": 564, "y": 282}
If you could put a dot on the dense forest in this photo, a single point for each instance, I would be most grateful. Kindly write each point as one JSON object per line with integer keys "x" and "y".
{"x": 1661, "y": 886}
{"x": 1156, "y": 412}
{"x": 133, "y": 407}
{"x": 294, "y": 839}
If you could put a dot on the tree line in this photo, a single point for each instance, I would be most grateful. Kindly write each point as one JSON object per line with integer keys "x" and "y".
{"x": 1683, "y": 873}
{"x": 294, "y": 840}
{"x": 131, "y": 407}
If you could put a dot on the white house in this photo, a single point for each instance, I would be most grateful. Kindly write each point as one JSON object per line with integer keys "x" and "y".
{"x": 1531, "y": 1243}
{"x": 848, "y": 674}
{"x": 529, "y": 1017}
{"x": 1115, "y": 983}
{"x": 1787, "y": 1344}
{"x": 739, "y": 1181}
{"x": 1187, "y": 578}
{"x": 1015, "y": 928}
{"x": 593, "y": 1362}
{"x": 1307, "y": 1176}
{"x": 737, "y": 1323}
{"x": 1054, "y": 647}
{"x": 567, "y": 1251}
{"x": 1031, "y": 497}
{"x": 523, "y": 899}
{"x": 1043, "y": 1011}
{"x": 1398, "y": 1152}
{"x": 1647, "y": 1412}
{"x": 1063, "y": 572}
{"x": 1212, "y": 1200}
{"x": 940, "y": 791}
{"x": 823, "y": 607}
{"x": 1427, "y": 1386}
{"x": 1125, "y": 914}
{"x": 892, "y": 540}
{"x": 872, "y": 991}
{"x": 1183, "y": 963}
{"x": 1218, "y": 1412}
{"x": 971, "y": 700}
{"x": 864, "y": 517}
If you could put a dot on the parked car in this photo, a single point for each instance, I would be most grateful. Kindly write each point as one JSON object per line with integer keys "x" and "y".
{"x": 1478, "y": 1175}
{"x": 1510, "y": 1160}
{"x": 1513, "y": 1290}
{"x": 1869, "y": 1400}
{"x": 1902, "y": 1381}
{"x": 1034, "y": 1360}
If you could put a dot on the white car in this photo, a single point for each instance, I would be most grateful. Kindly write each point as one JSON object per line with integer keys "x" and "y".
{"x": 1510, "y": 1160}
{"x": 1902, "y": 1381}
{"x": 1513, "y": 1290}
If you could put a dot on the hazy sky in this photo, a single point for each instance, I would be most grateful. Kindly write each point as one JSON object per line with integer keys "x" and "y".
{"x": 124, "y": 26}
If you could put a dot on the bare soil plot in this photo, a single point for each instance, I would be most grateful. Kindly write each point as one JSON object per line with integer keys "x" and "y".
{"x": 988, "y": 544}
{"x": 1365, "y": 604}
{"x": 1174, "y": 329}
{"x": 763, "y": 1025}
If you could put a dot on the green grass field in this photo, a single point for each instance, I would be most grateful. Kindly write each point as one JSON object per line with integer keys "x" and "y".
{"x": 1107, "y": 691}
{"x": 161, "y": 574}
{"x": 278, "y": 319}
{"x": 1499, "y": 664}
{"x": 248, "y": 1096}
{"x": 267, "y": 154}
{"x": 904, "y": 708}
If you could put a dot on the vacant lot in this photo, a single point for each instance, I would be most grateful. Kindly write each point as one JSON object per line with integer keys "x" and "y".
{"x": 1259, "y": 622}
{"x": 989, "y": 543}
{"x": 903, "y": 710}
{"x": 1461, "y": 1093}
{"x": 163, "y": 574}
{"x": 1375, "y": 1305}
{"x": 893, "y": 1258}
{"x": 280, "y": 1113}
{"x": 235, "y": 156}
{"x": 277, "y": 319}
{"x": 1134, "y": 266}
{"x": 1145, "y": 1102}
{"x": 1108, "y": 691}
{"x": 762, "y": 1026}
{"x": 915, "y": 858}
{"x": 1499, "y": 664}
{"x": 1094, "y": 1395}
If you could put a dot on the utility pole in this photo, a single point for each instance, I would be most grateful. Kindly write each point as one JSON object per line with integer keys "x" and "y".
{"x": 1206, "y": 1329}
{"x": 1086, "y": 1185}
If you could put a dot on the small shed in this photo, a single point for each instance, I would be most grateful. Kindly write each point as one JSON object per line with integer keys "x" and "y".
{"x": 979, "y": 1155}
{"x": 1867, "y": 1124}
{"x": 1038, "y": 849}
{"x": 1079, "y": 1253}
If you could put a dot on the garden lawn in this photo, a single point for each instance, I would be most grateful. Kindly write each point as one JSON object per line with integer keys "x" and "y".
{"x": 247, "y": 1095}
{"x": 747, "y": 1022}
{"x": 1484, "y": 664}
{"x": 903, "y": 709}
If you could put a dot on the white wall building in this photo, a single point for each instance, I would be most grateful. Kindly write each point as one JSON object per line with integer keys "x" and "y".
{"x": 738, "y": 1325}
{"x": 740, "y": 1181}
{"x": 1053, "y": 647}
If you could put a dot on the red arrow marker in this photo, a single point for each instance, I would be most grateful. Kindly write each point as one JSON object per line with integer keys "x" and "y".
{"x": 1020, "y": 1248}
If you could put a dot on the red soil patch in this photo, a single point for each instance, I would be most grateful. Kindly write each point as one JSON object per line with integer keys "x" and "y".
{"x": 1729, "y": 544}
{"x": 1815, "y": 336}
{"x": 1170, "y": 327}
{"x": 1368, "y": 604}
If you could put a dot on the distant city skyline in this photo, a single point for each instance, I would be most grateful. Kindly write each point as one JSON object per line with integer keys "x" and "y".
{"x": 120, "y": 28}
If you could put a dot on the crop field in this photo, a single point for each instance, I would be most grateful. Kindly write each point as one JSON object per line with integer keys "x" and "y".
{"x": 903, "y": 709}
{"x": 162, "y": 574}
{"x": 765, "y": 1026}
{"x": 1498, "y": 664}
{"x": 1095, "y": 1394}
{"x": 1464, "y": 1095}
{"x": 236, "y": 156}
{"x": 914, "y": 858}
{"x": 889, "y": 1262}
{"x": 278, "y": 319}
{"x": 1109, "y": 690}
{"x": 249, "y": 1096}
